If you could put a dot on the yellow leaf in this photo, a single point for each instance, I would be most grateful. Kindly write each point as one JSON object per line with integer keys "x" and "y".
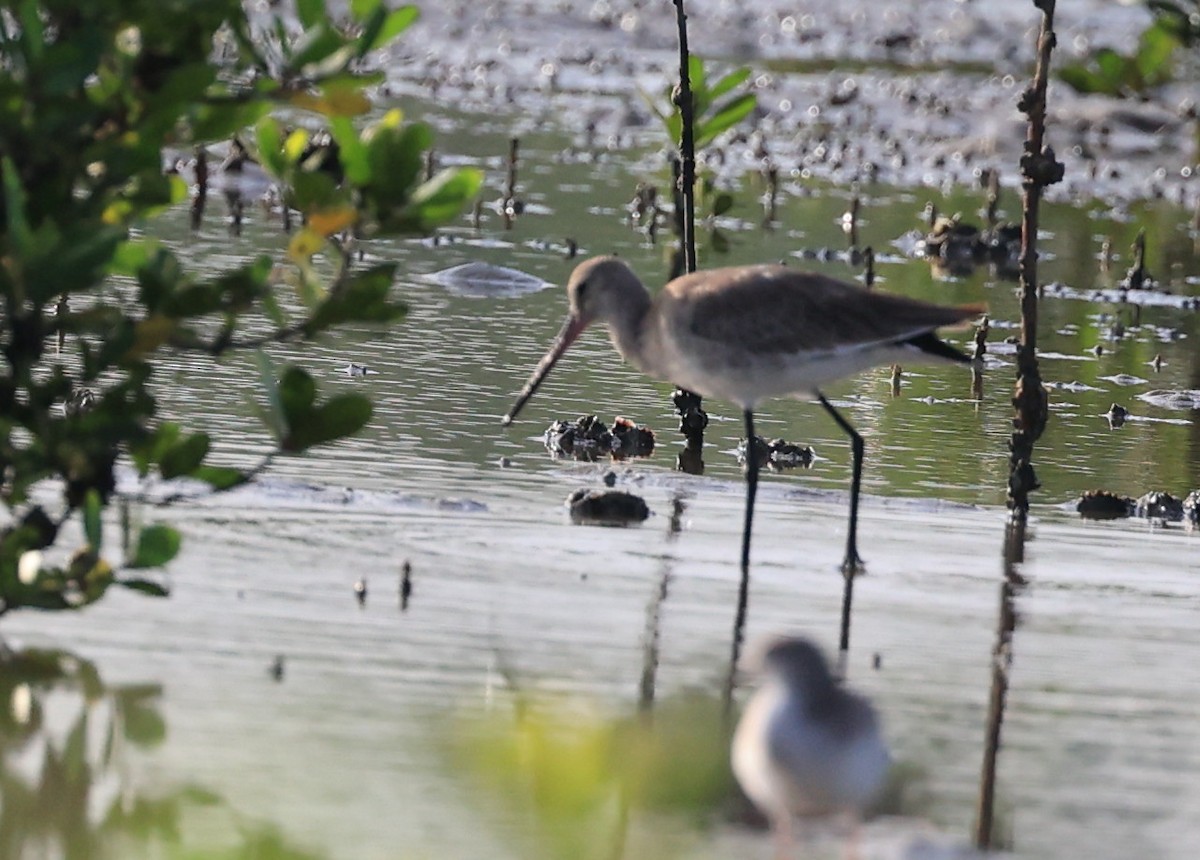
{"x": 116, "y": 212}
{"x": 330, "y": 221}
{"x": 392, "y": 119}
{"x": 339, "y": 101}
{"x": 150, "y": 334}
{"x": 294, "y": 146}
{"x": 304, "y": 244}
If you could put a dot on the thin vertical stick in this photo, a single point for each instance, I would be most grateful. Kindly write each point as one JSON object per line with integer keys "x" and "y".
{"x": 510, "y": 192}
{"x": 687, "y": 143}
{"x": 692, "y": 417}
{"x": 201, "y": 197}
{"x": 1039, "y": 169}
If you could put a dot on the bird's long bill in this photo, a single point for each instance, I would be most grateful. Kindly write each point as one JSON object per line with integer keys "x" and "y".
{"x": 571, "y": 329}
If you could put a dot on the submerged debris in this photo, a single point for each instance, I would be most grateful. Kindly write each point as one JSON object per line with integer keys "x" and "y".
{"x": 588, "y": 438}
{"x": 1138, "y": 277}
{"x": 777, "y": 454}
{"x": 630, "y": 439}
{"x": 80, "y": 401}
{"x": 1157, "y": 505}
{"x": 606, "y": 508}
{"x": 1103, "y": 505}
{"x": 1167, "y": 399}
{"x": 1191, "y": 509}
{"x": 353, "y": 369}
{"x": 960, "y": 247}
{"x": 405, "y": 585}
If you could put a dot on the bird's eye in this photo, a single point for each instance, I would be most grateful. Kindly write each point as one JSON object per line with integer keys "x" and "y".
{"x": 580, "y": 289}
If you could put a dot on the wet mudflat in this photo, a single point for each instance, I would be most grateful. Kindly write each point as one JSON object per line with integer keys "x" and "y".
{"x": 332, "y": 724}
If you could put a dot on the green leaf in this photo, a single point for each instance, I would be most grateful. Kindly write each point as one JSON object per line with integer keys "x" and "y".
{"x": 93, "y": 529}
{"x": 341, "y": 416}
{"x": 270, "y": 146}
{"x": 726, "y": 115}
{"x": 20, "y": 238}
{"x": 145, "y": 586}
{"x": 352, "y": 152}
{"x": 321, "y": 42}
{"x": 131, "y": 256}
{"x": 183, "y": 458}
{"x": 729, "y": 82}
{"x": 297, "y": 391}
{"x": 220, "y": 477}
{"x": 442, "y": 198}
{"x": 156, "y": 546}
{"x": 273, "y": 417}
{"x": 362, "y": 299}
{"x": 362, "y": 9}
{"x": 395, "y": 23}
{"x": 698, "y": 83}
{"x": 315, "y": 190}
{"x": 310, "y": 12}
{"x": 1117, "y": 72}
{"x": 1155, "y": 51}
{"x": 722, "y": 203}
{"x": 396, "y": 156}
{"x": 222, "y": 121}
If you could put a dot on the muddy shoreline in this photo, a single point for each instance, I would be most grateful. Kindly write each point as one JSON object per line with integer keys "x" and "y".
{"x": 905, "y": 94}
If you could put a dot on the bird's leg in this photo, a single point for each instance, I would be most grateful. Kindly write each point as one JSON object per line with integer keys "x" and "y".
{"x": 784, "y": 841}
{"x": 751, "y": 491}
{"x": 853, "y": 841}
{"x": 739, "y": 622}
{"x": 852, "y": 563}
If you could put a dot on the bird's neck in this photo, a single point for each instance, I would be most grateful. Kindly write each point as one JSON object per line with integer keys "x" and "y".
{"x": 626, "y": 327}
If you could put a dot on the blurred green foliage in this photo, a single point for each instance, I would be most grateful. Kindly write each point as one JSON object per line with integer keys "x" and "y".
{"x": 1109, "y": 72}
{"x": 92, "y": 98}
{"x": 716, "y": 107}
{"x": 580, "y": 779}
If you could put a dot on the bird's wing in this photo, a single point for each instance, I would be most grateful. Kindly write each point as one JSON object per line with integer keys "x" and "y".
{"x": 776, "y": 309}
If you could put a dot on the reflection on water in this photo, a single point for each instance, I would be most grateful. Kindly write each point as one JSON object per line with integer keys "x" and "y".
{"x": 68, "y": 742}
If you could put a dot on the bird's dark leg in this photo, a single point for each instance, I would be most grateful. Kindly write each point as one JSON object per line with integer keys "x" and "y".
{"x": 739, "y": 622}
{"x": 852, "y": 563}
{"x": 751, "y": 492}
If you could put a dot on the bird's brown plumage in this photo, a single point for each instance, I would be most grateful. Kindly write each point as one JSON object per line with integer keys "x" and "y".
{"x": 773, "y": 309}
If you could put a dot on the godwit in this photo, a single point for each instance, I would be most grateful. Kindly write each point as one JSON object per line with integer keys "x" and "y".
{"x": 806, "y": 746}
{"x": 746, "y": 333}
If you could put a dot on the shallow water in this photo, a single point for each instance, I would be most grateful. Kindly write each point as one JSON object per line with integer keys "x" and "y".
{"x": 347, "y": 755}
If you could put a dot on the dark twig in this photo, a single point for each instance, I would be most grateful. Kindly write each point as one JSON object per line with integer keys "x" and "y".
{"x": 692, "y": 418}
{"x": 687, "y": 143}
{"x": 1039, "y": 169}
{"x": 510, "y": 204}
{"x": 198, "y": 201}
{"x": 981, "y": 335}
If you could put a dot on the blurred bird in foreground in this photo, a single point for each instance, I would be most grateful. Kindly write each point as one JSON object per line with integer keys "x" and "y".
{"x": 805, "y": 746}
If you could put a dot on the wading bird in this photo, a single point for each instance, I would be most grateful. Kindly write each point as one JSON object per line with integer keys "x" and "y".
{"x": 804, "y": 745}
{"x": 746, "y": 333}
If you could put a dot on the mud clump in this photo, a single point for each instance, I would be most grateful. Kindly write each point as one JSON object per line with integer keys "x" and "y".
{"x": 1191, "y": 509}
{"x": 777, "y": 454}
{"x": 588, "y": 438}
{"x": 606, "y": 508}
{"x": 1103, "y": 505}
{"x": 1157, "y": 505}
